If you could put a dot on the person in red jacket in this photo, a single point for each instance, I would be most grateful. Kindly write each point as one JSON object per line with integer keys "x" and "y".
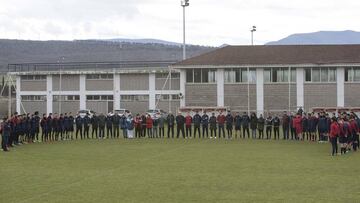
{"x": 149, "y": 125}
{"x": 342, "y": 136}
{"x": 137, "y": 123}
{"x": 334, "y": 133}
{"x": 188, "y": 122}
{"x": 221, "y": 122}
{"x": 297, "y": 123}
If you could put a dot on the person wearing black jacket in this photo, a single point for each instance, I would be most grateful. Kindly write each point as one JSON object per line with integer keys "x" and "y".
{"x": 253, "y": 125}
{"x": 276, "y": 124}
{"x": 170, "y": 119}
{"x": 94, "y": 125}
{"x": 260, "y": 126}
{"x": 197, "y": 123}
{"x": 49, "y": 126}
{"x": 212, "y": 122}
{"x": 205, "y": 123}
{"x": 245, "y": 124}
{"x": 71, "y": 125}
{"x": 143, "y": 125}
{"x": 109, "y": 126}
{"x": 285, "y": 125}
{"x": 180, "y": 121}
{"x": 79, "y": 126}
{"x": 269, "y": 126}
{"x": 102, "y": 123}
{"x": 116, "y": 125}
{"x": 5, "y": 131}
{"x": 87, "y": 122}
{"x": 229, "y": 124}
{"x": 237, "y": 121}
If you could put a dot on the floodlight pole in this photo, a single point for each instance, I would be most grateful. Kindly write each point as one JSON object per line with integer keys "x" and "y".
{"x": 184, "y": 3}
{"x": 253, "y": 29}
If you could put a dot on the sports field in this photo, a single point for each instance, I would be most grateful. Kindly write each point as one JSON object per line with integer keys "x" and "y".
{"x": 171, "y": 170}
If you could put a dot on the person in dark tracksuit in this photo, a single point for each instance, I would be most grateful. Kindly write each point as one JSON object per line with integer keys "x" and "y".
{"x": 143, "y": 125}
{"x": 253, "y": 125}
{"x": 260, "y": 126}
{"x": 49, "y": 126}
{"x": 221, "y": 124}
{"x": 188, "y": 123}
{"x": 117, "y": 123}
{"x": 205, "y": 123}
{"x": 161, "y": 126}
{"x": 55, "y": 127}
{"x": 276, "y": 124}
{"x": 109, "y": 126}
{"x": 180, "y": 122}
{"x": 285, "y": 125}
{"x": 213, "y": 123}
{"x": 66, "y": 126}
{"x": 102, "y": 122}
{"x": 95, "y": 126}
{"x": 229, "y": 124}
{"x": 123, "y": 124}
{"x": 171, "y": 121}
{"x": 305, "y": 126}
{"x": 44, "y": 130}
{"x": 137, "y": 124}
{"x": 269, "y": 126}
{"x": 292, "y": 127}
{"x": 197, "y": 123}
{"x": 71, "y": 126}
{"x": 245, "y": 124}
{"x": 79, "y": 126}
{"x": 5, "y": 132}
{"x": 237, "y": 121}
{"x": 61, "y": 126}
{"x": 87, "y": 122}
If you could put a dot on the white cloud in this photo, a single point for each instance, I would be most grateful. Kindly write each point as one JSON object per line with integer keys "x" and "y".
{"x": 209, "y": 22}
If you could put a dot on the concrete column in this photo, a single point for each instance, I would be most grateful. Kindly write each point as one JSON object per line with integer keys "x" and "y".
{"x": 220, "y": 87}
{"x": 82, "y": 91}
{"x": 116, "y": 91}
{"x": 182, "y": 87}
{"x": 259, "y": 91}
{"x": 152, "y": 91}
{"x": 18, "y": 96}
{"x": 300, "y": 87}
{"x": 340, "y": 82}
{"x": 49, "y": 94}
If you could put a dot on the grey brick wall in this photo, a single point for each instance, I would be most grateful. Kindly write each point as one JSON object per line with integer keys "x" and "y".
{"x": 66, "y": 107}
{"x": 100, "y": 106}
{"x": 352, "y": 94}
{"x": 320, "y": 95}
{"x": 33, "y": 85}
{"x": 134, "y": 82}
{"x": 236, "y": 97}
{"x": 175, "y": 84}
{"x": 200, "y": 95}
{"x": 31, "y": 107}
{"x": 276, "y": 97}
{"x": 164, "y": 105}
{"x": 135, "y": 107}
{"x": 68, "y": 82}
{"x": 99, "y": 85}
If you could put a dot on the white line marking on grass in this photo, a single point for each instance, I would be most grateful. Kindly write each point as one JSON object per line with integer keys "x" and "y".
{"x": 66, "y": 186}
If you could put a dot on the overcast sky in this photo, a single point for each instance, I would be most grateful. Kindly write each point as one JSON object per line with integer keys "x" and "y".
{"x": 209, "y": 22}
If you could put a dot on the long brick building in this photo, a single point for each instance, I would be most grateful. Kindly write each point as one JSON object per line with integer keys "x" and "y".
{"x": 244, "y": 78}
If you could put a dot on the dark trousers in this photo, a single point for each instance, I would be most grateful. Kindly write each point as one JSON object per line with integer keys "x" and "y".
{"x": 221, "y": 131}
{"x": 213, "y": 132}
{"x": 229, "y": 131}
{"x": 109, "y": 131}
{"x": 285, "y": 132}
{"x": 101, "y": 131}
{"x": 116, "y": 131}
{"x": 293, "y": 133}
{"x": 205, "y": 130}
{"x": 197, "y": 130}
{"x": 86, "y": 132}
{"x": 276, "y": 132}
{"x": 143, "y": 130}
{"x": 137, "y": 132}
{"x": 246, "y": 130}
{"x": 334, "y": 146}
{"x": 4, "y": 142}
{"x": 261, "y": 133}
{"x": 149, "y": 132}
{"x": 94, "y": 130}
{"x": 268, "y": 132}
{"x": 79, "y": 130}
{"x": 170, "y": 130}
{"x": 180, "y": 128}
{"x": 188, "y": 131}
{"x": 161, "y": 132}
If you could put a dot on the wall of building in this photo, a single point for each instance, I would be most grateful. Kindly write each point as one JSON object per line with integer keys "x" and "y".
{"x": 141, "y": 82}
{"x": 100, "y": 106}
{"x": 32, "y": 106}
{"x": 99, "y": 85}
{"x": 236, "y": 96}
{"x": 36, "y": 85}
{"x": 164, "y": 105}
{"x": 352, "y": 94}
{"x": 201, "y": 95}
{"x": 175, "y": 84}
{"x": 66, "y": 106}
{"x": 68, "y": 82}
{"x": 135, "y": 107}
{"x": 276, "y": 97}
{"x": 320, "y": 95}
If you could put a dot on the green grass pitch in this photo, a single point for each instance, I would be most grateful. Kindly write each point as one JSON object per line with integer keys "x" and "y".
{"x": 178, "y": 170}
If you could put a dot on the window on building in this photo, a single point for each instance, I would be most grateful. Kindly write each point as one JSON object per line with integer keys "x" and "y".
{"x": 315, "y": 75}
{"x": 166, "y": 97}
{"x": 130, "y": 98}
{"x": 293, "y": 75}
{"x": 190, "y": 75}
{"x": 66, "y": 98}
{"x": 33, "y": 98}
{"x": 323, "y": 74}
{"x": 244, "y": 74}
{"x": 99, "y": 97}
{"x": 332, "y": 74}
{"x": 33, "y": 77}
{"x": 197, "y": 75}
{"x": 200, "y": 75}
{"x": 308, "y": 75}
{"x": 230, "y": 76}
{"x": 99, "y": 76}
{"x": 278, "y": 75}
